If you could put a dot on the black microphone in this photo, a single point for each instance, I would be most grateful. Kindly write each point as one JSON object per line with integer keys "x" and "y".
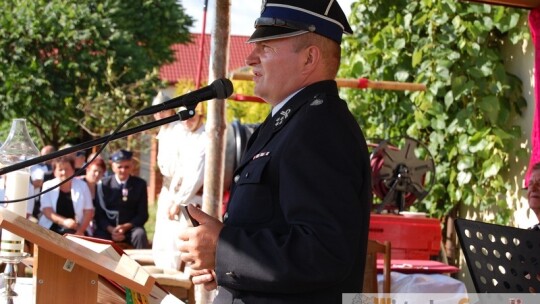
{"x": 220, "y": 88}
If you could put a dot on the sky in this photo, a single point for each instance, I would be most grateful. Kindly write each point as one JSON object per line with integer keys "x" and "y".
{"x": 243, "y": 14}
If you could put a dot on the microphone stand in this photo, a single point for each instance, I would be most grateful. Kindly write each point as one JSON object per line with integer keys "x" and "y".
{"x": 181, "y": 115}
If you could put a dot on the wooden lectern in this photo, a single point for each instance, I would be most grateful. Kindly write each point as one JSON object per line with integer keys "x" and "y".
{"x": 67, "y": 272}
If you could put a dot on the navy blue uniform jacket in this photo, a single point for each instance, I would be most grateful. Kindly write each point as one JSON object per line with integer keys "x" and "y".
{"x": 134, "y": 210}
{"x": 296, "y": 225}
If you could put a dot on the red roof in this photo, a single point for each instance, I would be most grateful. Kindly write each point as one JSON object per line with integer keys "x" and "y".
{"x": 186, "y": 57}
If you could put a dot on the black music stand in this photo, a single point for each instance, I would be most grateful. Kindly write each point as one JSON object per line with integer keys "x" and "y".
{"x": 501, "y": 259}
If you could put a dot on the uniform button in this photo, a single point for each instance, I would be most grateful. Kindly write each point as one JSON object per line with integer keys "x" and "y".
{"x": 247, "y": 175}
{"x": 231, "y": 274}
{"x": 236, "y": 178}
{"x": 225, "y": 216}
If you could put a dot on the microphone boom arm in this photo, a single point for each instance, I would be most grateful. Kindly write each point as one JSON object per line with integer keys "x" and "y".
{"x": 181, "y": 115}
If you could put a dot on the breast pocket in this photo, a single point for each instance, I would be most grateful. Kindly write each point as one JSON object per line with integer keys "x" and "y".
{"x": 253, "y": 171}
{"x": 252, "y": 200}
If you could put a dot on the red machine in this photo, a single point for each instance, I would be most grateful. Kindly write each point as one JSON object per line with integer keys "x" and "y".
{"x": 403, "y": 173}
{"x": 411, "y": 238}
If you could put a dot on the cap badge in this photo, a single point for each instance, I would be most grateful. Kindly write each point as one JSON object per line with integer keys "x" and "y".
{"x": 284, "y": 115}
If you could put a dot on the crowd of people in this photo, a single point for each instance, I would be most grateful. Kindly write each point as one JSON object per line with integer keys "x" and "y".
{"x": 89, "y": 201}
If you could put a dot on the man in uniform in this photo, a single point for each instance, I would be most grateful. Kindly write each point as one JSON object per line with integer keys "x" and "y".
{"x": 296, "y": 226}
{"x": 122, "y": 204}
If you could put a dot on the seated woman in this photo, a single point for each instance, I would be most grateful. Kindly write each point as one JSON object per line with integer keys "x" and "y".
{"x": 68, "y": 208}
{"x": 94, "y": 172}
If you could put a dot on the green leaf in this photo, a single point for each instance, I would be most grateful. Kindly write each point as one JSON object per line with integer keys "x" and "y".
{"x": 492, "y": 169}
{"x": 402, "y": 76}
{"x": 464, "y": 178}
{"x": 438, "y": 123}
{"x": 449, "y": 99}
{"x": 465, "y": 163}
{"x": 490, "y": 107}
{"x": 463, "y": 143}
{"x": 399, "y": 44}
{"x": 416, "y": 58}
{"x": 500, "y": 133}
{"x": 479, "y": 146}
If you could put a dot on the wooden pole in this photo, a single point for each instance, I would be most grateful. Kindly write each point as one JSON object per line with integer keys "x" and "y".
{"x": 216, "y": 125}
{"x": 201, "y": 48}
{"x": 361, "y": 83}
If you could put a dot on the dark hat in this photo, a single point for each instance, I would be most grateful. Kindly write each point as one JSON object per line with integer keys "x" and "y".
{"x": 287, "y": 18}
{"x": 121, "y": 155}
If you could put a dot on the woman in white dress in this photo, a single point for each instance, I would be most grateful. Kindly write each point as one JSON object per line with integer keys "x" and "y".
{"x": 181, "y": 153}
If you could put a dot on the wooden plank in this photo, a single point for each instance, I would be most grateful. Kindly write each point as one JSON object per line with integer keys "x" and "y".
{"x": 109, "y": 294}
{"x": 361, "y": 83}
{"x": 57, "y": 285}
{"x": 132, "y": 276}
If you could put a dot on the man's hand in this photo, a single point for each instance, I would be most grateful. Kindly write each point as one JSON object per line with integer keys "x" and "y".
{"x": 206, "y": 277}
{"x": 118, "y": 234}
{"x": 198, "y": 244}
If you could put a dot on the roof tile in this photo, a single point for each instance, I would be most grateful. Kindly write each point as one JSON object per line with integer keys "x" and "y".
{"x": 185, "y": 65}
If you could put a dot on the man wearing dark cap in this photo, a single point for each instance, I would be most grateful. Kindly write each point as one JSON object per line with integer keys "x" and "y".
{"x": 296, "y": 226}
{"x": 122, "y": 204}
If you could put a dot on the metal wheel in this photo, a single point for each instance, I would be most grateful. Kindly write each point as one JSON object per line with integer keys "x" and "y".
{"x": 402, "y": 173}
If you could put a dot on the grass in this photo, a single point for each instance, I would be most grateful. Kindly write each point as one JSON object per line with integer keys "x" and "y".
{"x": 151, "y": 223}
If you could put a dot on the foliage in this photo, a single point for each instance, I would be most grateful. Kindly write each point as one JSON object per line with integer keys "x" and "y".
{"x": 184, "y": 86}
{"x": 68, "y": 65}
{"x": 246, "y": 112}
{"x": 467, "y": 115}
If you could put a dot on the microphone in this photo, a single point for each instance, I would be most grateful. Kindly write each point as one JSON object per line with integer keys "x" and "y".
{"x": 220, "y": 88}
